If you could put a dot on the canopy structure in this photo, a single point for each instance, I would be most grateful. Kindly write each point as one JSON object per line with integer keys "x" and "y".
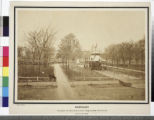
{"x": 96, "y": 57}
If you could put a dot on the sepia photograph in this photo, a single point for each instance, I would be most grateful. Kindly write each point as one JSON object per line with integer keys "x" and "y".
{"x": 81, "y": 54}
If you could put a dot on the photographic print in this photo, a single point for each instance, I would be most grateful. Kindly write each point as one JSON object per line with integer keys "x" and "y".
{"x": 81, "y": 54}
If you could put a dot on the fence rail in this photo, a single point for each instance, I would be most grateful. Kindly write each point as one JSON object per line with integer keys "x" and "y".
{"x": 33, "y": 79}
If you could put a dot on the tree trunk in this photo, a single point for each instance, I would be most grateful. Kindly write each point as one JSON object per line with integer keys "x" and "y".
{"x": 39, "y": 66}
{"x": 117, "y": 62}
{"x": 136, "y": 61}
{"x": 129, "y": 61}
{"x": 124, "y": 61}
{"x": 68, "y": 64}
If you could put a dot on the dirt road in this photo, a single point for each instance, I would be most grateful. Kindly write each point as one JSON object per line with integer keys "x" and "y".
{"x": 64, "y": 91}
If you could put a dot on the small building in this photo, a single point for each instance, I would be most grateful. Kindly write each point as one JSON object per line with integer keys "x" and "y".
{"x": 95, "y": 57}
{"x": 95, "y": 61}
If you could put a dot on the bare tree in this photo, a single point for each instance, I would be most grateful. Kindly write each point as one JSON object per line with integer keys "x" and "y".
{"x": 39, "y": 42}
{"x": 129, "y": 51}
{"x": 117, "y": 53}
{"x": 123, "y": 52}
{"x": 136, "y": 53}
{"x": 142, "y": 50}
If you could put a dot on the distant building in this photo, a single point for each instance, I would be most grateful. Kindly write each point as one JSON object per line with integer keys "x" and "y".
{"x": 96, "y": 57}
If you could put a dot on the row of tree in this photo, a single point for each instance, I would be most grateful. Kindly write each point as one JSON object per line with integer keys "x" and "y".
{"x": 126, "y": 52}
{"x": 40, "y": 48}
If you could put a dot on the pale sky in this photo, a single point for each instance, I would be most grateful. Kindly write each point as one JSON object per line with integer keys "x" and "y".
{"x": 102, "y": 26}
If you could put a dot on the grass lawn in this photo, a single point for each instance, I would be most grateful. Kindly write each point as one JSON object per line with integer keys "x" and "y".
{"x": 85, "y": 92}
{"x": 109, "y": 92}
{"x": 26, "y": 93}
{"x": 76, "y": 73}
